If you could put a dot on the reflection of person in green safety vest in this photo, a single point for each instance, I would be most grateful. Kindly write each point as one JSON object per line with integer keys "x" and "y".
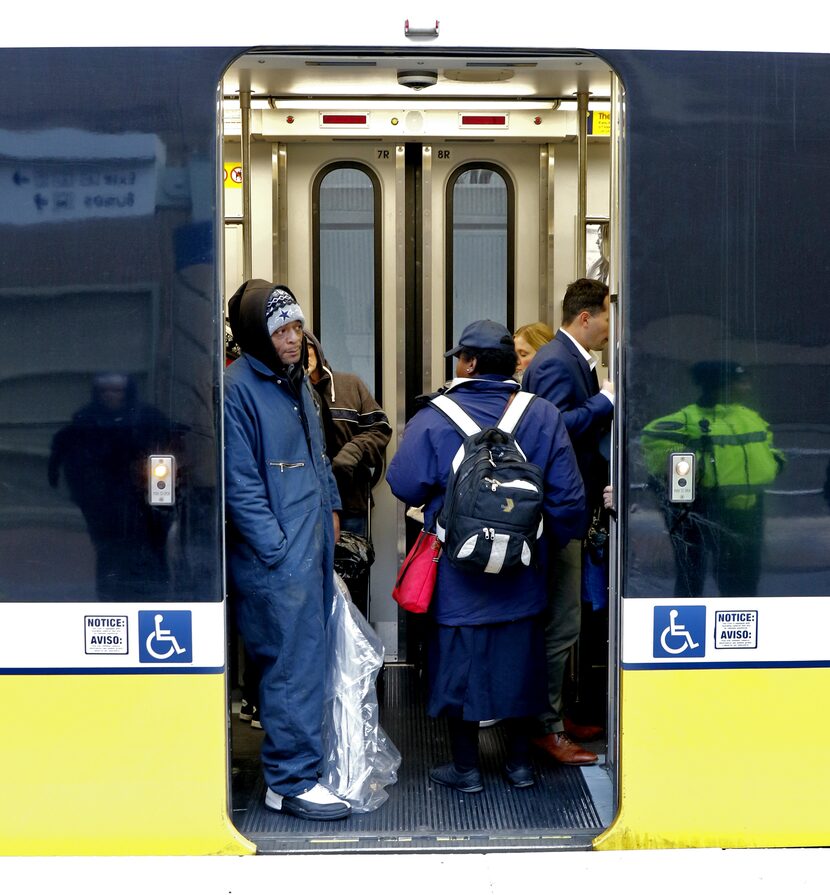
{"x": 735, "y": 460}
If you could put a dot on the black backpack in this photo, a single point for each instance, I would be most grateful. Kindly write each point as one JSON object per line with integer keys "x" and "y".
{"x": 492, "y": 514}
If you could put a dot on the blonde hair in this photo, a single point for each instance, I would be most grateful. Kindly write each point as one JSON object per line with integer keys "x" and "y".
{"x": 535, "y": 334}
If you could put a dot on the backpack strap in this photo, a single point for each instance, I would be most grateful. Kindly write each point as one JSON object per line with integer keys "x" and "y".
{"x": 514, "y": 411}
{"x": 456, "y": 415}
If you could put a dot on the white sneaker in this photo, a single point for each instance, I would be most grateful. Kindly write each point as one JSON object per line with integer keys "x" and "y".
{"x": 321, "y": 795}
{"x": 317, "y": 803}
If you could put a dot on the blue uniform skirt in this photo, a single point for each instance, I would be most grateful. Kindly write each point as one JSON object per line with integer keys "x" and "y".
{"x": 478, "y": 672}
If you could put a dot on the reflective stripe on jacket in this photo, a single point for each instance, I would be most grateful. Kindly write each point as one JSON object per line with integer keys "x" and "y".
{"x": 732, "y": 445}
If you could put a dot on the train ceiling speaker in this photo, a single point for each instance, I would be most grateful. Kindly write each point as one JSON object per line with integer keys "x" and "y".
{"x": 417, "y": 80}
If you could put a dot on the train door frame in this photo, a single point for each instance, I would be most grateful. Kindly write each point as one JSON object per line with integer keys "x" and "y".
{"x": 408, "y": 306}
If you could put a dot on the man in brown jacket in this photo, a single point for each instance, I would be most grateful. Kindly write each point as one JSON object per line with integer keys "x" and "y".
{"x": 357, "y": 431}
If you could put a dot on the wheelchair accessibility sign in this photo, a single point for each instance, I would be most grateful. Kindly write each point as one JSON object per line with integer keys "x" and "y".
{"x": 679, "y": 632}
{"x": 165, "y": 635}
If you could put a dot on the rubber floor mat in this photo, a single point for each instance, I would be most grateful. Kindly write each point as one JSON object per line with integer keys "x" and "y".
{"x": 419, "y": 815}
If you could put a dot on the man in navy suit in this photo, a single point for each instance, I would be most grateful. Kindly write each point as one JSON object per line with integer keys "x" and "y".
{"x": 563, "y": 372}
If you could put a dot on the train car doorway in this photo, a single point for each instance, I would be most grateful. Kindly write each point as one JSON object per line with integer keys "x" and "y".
{"x": 398, "y": 216}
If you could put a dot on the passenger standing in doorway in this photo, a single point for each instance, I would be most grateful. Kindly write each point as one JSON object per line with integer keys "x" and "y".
{"x": 527, "y": 340}
{"x": 282, "y": 505}
{"x": 486, "y": 636}
{"x": 563, "y": 371}
{"x": 357, "y": 432}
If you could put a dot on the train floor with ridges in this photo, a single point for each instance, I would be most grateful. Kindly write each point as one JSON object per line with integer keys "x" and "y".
{"x": 566, "y": 809}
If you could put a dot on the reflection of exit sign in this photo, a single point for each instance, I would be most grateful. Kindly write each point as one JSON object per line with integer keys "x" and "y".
{"x": 599, "y": 123}
{"x": 68, "y": 174}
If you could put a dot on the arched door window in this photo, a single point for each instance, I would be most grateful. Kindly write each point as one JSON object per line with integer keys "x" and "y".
{"x": 347, "y": 269}
{"x": 480, "y": 248}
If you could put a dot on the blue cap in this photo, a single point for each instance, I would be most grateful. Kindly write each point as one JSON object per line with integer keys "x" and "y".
{"x": 482, "y": 334}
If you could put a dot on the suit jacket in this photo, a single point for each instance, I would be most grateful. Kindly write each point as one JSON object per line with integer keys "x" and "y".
{"x": 560, "y": 374}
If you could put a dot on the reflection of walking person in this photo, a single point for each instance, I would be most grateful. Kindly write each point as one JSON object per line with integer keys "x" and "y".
{"x": 103, "y": 455}
{"x": 735, "y": 460}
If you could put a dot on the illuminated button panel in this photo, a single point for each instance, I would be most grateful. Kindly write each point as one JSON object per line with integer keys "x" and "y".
{"x": 161, "y": 477}
{"x": 681, "y": 478}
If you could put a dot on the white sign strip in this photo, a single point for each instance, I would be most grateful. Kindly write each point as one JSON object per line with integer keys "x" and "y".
{"x": 726, "y": 631}
{"x": 151, "y": 637}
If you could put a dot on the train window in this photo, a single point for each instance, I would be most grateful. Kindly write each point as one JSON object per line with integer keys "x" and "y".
{"x": 346, "y": 234}
{"x": 480, "y": 240}
{"x": 81, "y": 456}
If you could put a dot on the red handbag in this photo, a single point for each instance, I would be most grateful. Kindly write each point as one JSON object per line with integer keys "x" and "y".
{"x": 416, "y": 578}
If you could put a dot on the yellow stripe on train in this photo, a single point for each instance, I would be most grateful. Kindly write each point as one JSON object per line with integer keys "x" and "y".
{"x": 722, "y": 758}
{"x": 115, "y": 764}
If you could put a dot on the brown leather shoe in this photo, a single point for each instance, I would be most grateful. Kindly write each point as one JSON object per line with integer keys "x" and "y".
{"x": 582, "y": 732}
{"x": 560, "y": 748}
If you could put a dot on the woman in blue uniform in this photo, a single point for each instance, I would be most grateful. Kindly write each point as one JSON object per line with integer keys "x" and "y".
{"x": 486, "y": 640}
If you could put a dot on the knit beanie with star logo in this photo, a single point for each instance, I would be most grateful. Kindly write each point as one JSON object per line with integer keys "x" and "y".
{"x": 282, "y": 308}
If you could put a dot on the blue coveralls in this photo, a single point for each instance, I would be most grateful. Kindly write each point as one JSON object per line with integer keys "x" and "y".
{"x": 280, "y": 494}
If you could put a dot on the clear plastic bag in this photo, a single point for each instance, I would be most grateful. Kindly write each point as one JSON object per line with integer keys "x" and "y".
{"x": 359, "y": 759}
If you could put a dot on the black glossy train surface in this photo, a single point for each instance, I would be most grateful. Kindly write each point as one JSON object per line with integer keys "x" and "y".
{"x": 119, "y": 243}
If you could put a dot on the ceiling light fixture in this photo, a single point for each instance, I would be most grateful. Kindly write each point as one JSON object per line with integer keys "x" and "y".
{"x": 468, "y": 105}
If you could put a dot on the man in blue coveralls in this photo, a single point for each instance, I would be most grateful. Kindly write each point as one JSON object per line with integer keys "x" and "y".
{"x": 282, "y": 507}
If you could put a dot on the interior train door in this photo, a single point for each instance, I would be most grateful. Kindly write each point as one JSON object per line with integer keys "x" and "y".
{"x": 481, "y": 229}
{"x": 399, "y": 247}
{"x": 336, "y": 241}
{"x": 394, "y": 247}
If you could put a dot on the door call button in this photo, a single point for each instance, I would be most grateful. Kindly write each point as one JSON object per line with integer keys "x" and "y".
{"x": 682, "y": 477}
{"x": 161, "y": 475}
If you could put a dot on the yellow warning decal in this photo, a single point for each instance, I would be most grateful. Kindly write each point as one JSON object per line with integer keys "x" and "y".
{"x": 599, "y": 123}
{"x": 233, "y": 175}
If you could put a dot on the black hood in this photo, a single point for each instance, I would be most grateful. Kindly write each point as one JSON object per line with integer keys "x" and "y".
{"x": 246, "y": 313}
{"x": 317, "y": 347}
{"x": 322, "y": 363}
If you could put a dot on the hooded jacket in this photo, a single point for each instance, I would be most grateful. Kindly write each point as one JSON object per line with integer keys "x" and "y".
{"x": 357, "y": 434}
{"x": 280, "y": 494}
{"x": 280, "y": 491}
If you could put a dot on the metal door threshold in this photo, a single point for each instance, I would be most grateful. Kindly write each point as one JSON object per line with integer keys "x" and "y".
{"x": 560, "y": 812}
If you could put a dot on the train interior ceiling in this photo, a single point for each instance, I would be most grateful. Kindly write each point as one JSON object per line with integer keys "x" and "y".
{"x": 401, "y": 197}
